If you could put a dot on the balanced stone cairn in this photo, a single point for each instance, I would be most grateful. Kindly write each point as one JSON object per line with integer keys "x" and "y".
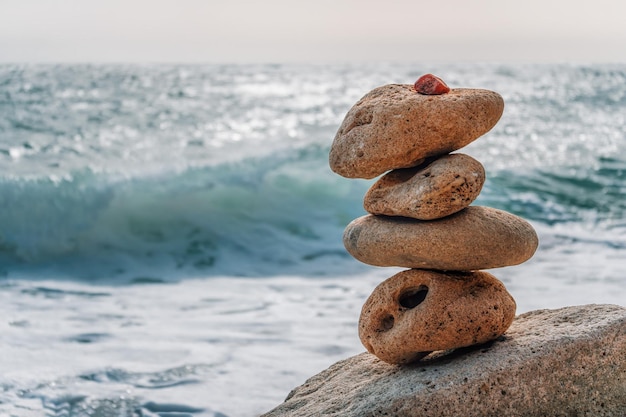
{"x": 420, "y": 218}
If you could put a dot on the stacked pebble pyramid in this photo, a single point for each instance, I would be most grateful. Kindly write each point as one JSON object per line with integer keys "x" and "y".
{"x": 420, "y": 218}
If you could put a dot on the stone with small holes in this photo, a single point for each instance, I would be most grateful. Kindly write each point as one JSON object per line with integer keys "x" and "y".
{"x": 416, "y": 312}
{"x": 430, "y": 191}
{"x": 394, "y": 127}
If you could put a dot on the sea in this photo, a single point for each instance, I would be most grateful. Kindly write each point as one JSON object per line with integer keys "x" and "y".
{"x": 171, "y": 235}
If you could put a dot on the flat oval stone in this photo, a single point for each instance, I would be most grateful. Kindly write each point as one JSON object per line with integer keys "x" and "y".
{"x": 394, "y": 127}
{"x": 430, "y": 191}
{"x": 474, "y": 238}
{"x": 416, "y": 312}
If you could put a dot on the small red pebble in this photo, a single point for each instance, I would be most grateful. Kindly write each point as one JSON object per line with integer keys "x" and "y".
{"x": 430, "y": 85}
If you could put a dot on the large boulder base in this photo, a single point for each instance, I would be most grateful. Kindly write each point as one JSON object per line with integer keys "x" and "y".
{"x": 394, "y": 127}
{"x": 564, "y": 362}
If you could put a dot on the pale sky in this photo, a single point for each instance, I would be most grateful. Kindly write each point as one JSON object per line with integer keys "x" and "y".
{"x": 238, "y": 31}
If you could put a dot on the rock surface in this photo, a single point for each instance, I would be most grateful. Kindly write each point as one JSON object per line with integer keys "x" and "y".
{"x": 565, "y": 362}
{"x": 430, "y": 191}
{"x": 416, "y": 312}
{"x": 474, "y": 238}
{"x": 394, "y": 127}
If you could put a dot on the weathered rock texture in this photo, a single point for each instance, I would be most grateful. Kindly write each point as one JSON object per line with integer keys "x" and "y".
{"x": 430, "y": 191}
{"x": 416, "y": 312}
{"x": 474, "y": 238}
{"x": 565, "y": 362}
{"x": 395, "y": 127}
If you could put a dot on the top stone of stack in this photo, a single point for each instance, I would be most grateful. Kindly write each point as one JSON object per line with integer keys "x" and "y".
{"x": 394, "y": 126}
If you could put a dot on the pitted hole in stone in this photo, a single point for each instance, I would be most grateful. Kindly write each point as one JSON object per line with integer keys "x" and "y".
{"x": 363, "y": 116}
{"x": 386, "y": 323}
{"x": 413, "y": 297}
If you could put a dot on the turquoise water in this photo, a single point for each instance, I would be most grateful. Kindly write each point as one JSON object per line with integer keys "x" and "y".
{"x": 170, "y": 236}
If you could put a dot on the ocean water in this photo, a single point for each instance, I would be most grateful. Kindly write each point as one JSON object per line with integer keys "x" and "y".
{"x": 170, "y": 235}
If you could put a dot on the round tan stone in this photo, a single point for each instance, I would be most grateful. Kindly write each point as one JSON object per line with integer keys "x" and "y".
{"x": 416, "y": 312}
{"x": 430, "y": 191}
{"x": 474, "y": 238}
{"x": 394, "y": 127}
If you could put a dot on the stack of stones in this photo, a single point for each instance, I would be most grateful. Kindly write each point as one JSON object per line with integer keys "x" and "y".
{"x": 420, "y": 218}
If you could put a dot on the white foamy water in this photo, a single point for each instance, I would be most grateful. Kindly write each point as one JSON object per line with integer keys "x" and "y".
{"x": 234, "y": 346}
